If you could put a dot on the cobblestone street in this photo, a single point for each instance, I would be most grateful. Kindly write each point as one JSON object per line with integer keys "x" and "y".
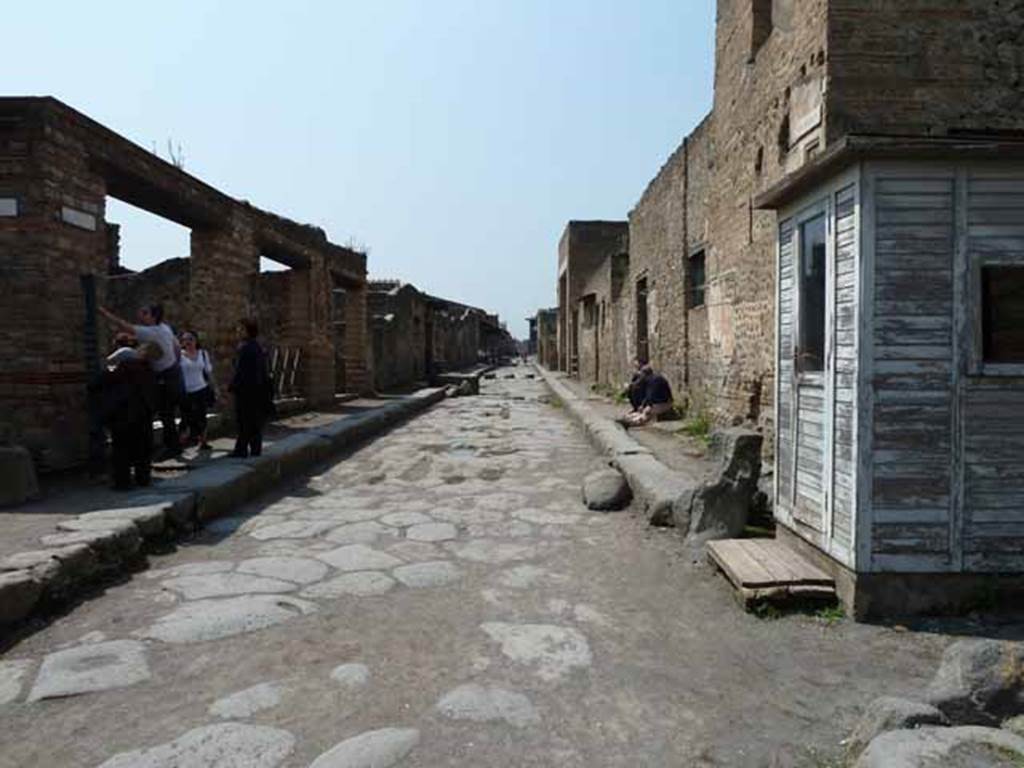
{"x": 441, "y": 597}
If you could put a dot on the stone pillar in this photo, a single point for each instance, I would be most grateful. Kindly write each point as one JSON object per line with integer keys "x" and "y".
{"x": 313, "y": 289}
{"x": 357, "y": 355}
{"x": 225, "y": 261}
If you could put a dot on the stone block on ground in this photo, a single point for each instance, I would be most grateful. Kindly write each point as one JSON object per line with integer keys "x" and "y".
{"x": 150, "y": 520}
{"x": 113, "y": 546}
{"x": 606, "y": 490}
{"x": 218, "y": 487}
{"x": 18, "y": 482}
{"x": 891, "y": 714}
{"x": 56, "y": 569}
{"x": 931, "y": 747}
{"x": 19, "y": 593}
{"x": 654, "y": 485}
{"x": 89, "y": 668}
{"x": 720, "y": 507}
{"x": 979, "y": 682}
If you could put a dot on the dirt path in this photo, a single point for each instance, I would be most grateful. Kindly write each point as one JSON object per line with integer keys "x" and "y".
{"x": 442, "y": 598}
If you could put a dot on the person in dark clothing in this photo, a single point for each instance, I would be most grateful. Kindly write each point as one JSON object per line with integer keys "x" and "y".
{"x": 129, "y": 400}
{"x": 656, "y": 400}
{"x": 253, "y": 391}
{"x": 637, "y": 387}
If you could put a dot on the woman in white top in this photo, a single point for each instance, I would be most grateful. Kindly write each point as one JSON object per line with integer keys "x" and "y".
{"x": 198, "y": 376}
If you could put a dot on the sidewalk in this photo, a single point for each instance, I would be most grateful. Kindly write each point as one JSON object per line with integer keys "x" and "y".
{"x": 82, "y": 529}
{"x": 658, "y": 484}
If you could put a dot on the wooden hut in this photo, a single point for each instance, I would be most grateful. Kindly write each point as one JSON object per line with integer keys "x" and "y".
{"x": 899, "y": 395}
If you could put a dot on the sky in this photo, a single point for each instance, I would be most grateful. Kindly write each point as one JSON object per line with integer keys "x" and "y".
{"x": 453, "y": 139}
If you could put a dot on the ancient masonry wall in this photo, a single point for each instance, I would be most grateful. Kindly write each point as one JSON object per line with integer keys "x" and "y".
{"x": 925, "y": 68}
{"x": 56, "y": 169}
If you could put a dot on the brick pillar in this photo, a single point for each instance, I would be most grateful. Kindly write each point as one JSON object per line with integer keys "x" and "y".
{"x": 225, "y": 261}
{"x": 357, "y": 355}
{"x": 313, "y": 288}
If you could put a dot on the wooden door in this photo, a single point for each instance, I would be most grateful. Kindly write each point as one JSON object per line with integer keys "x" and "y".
{"x": 811, "y": 368}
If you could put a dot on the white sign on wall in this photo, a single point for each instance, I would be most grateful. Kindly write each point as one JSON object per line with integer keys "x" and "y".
{"x": 8, "y": 206}
{"x": 77, "y": 218}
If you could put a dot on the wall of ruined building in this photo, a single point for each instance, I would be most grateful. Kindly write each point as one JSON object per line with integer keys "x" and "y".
{"x": 586, "y": 251}
{"x": 43, "y": 366}
{"x": 398, "y": 323}
{"x": 59, "y": 166}
{"x": 925, "y": 67}
{"x": 456, "y": 339}
{"x": 547, "y": 338}
{"x": 166, "y": 283}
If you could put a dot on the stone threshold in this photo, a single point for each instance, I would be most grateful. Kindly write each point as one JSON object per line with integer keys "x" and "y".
{"x": 107, "y": 542}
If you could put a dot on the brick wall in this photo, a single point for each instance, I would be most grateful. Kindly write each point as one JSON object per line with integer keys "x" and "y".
{"x": 926, "y": 67}
{"x": 59, "y": 166}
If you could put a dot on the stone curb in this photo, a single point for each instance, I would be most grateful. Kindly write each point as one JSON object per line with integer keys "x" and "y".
{"x": 110, "y": 541}
{"x": 654, "y": 484}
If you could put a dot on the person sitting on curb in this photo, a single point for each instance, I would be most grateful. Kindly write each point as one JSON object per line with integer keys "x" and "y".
{"x": 637, "y": 387}
{"x": 656, "y": 401}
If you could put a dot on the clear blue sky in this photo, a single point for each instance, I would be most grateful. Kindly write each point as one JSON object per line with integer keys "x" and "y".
{"x": 453, "y": 138}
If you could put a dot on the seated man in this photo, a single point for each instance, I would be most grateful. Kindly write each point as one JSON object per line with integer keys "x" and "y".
{"x": 637, "y": 388}
{"x": 657, "y": 400}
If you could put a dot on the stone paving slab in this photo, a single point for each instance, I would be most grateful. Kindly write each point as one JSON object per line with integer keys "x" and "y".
{"x": 108, "y": 539}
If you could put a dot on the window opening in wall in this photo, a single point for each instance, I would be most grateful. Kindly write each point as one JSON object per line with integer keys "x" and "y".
{"x": 1002, "y": 313}
{"x": 696, "y": 280}
{"x": 641, "y": 320}
{"x": 761, "y": 29}
{"x": 811, "y": 318}
{"x": 589, "y": 312}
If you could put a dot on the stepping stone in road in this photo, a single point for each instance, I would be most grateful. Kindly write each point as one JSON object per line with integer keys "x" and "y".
{"x": 302, "y": 570}
{"x": 90, "y": 668}
{"x": 554, "y": 651}
{"x": 224, "y": 584}
{"x": 248, "y": 702}
{"x": 373, "y": 749}
{"x": 358, "y": 533}
{"x": 492, "y": 551}
{"x": 351, "y": 675}
{"x": 480, "y": 704}
{"x": 225, "y": 745}
{"x": 430, "y": 574}
{"x": 358, "y": 584}
{"x": 358, "y": 557}
{"x": 405, "y": 519}
{"x": 432, "y": 532}
{"x": 11, "y": 674}
{"x": 214, "y": 619}
{"x": 522, "y": 576}
{"x": 415, "y": 550}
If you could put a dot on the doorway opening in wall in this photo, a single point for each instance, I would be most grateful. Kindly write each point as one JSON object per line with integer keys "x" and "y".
{"x": 148, "y": 261}
{"x": 280, "y": 301}
{"x": 642, "y": 351}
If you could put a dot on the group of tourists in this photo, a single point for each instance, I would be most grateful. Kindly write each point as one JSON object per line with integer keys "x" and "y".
{"x": 154, "y": 373}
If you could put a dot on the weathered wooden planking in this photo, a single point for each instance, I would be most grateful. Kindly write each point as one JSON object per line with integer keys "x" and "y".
{"x": 764, "y": 563}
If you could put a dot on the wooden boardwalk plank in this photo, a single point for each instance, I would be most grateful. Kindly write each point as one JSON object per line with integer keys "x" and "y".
{"x": 762, "y": 569}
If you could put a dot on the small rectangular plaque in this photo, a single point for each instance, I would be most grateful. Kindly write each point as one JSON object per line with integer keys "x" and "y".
{"x": 8, "y": 206}
{"x": 79, "y": 219}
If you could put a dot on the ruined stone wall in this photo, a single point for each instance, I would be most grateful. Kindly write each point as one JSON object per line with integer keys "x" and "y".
{"x": 586, "y": 251}
{"x": 166, "y": 283}
{"x": 55, "y": 235}
{"x": 926, "y": 67}
{"x": 398, "y": 321}
{"x": 768, "y": 120}
{"x": 547, "y": 338}
{"x": 56, "y": 169}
